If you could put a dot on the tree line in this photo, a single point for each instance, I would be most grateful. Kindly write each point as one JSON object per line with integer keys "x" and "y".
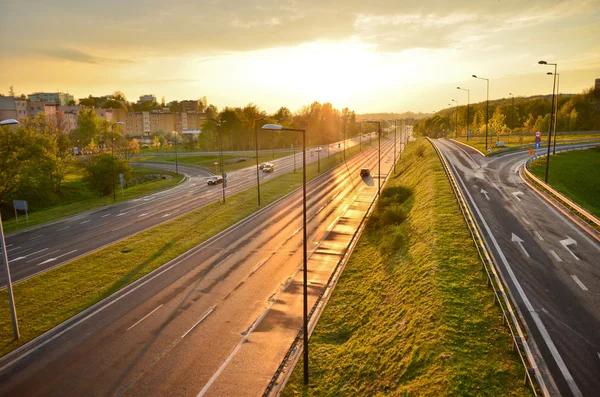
{"x": 578, "y": 112}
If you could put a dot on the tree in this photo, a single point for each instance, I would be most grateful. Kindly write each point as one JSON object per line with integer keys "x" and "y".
{"x": 131, "y": 149}
{"x": 162, "y": 102}
{"x": 102, "y": 173}
{"x": 89, "y": 101}
{"x": 90, "y": 125}
{"x": 11, "y": 91}
{"x": 71, "y": 102}
{"x": 113, "y": 104}
{"x": 119, "y": 96}
{"x": 573, "y": 120}
{"x": 156, "y": 142}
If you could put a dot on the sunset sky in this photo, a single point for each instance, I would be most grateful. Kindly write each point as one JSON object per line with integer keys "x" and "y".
{"x": 368, "y": 55}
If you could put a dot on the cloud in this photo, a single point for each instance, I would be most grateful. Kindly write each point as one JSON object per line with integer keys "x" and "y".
{"x": 80, "y": 56}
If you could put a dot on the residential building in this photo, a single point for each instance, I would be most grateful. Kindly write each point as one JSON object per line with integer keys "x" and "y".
{"x": 66, "y": 120}
{"x": 147, "y": 98}
{"x": 189, "y": 106}
{"x": 13, "y": 108}
{"x": 35, "y": 107}
{"x": 51, "y": 98}
{"x": 598, "y": 84}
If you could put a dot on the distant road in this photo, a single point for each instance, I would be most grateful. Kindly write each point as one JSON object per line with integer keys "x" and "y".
{"x": 41, "y": 248}
{"x": 552, "y": 266}
{"x": 216, "y": 321}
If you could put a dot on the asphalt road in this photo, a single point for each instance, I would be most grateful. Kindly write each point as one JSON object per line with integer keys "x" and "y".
{"x": 216, "y": 321}
{"x": 550, "y": 264}
{"x": 34, "y": 251}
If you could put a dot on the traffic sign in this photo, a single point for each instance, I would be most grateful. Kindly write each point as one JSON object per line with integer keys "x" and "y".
{"x": 216, "y": 163}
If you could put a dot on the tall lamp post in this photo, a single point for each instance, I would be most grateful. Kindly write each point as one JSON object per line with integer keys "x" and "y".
{"x": 468, "y": 102}
{"x": 277, "y": 127}
{"x": 379, "y": 163}
{"x": 555, "y": 109}
{"x": 487, "y": 109}
{"x": 455, "y": 118}
{"x": 112, "y": 163}
{"x": 256, "y": 148}
{"x": 176, "y": 159}
{"x": 395, "y": 132}
{"x": 220, "y": 127}
{"x": 450, "y": 116}
{"x": 11, "y": 298}
{"x": 512, "y": 116}
{"x": 551, "y": 118}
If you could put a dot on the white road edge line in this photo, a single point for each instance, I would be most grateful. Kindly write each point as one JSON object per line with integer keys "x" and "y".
{"x": 555, "y": 255}
{"x": 145, "y": 317}
{"x": 64, "y": 228}
{"x": 81, "y": 223}
{"x": 199, "y": 321}
{"x": 578, "y": 281}
{"x": 534, "y": 315}
{"x": 33, "y": 238}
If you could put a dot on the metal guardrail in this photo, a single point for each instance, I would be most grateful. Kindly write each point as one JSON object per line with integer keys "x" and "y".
{"x": 545, "y": 143}
{"x": 494, "y": 280}
{"x": 571, "y": 205}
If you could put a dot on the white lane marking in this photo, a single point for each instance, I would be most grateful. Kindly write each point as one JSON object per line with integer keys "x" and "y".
{"x": 53, "y": 259}
{"x": 578, "y": 281}
{"x": 33, "y": 238}
{"x": 519, "y": 241}
{"x": 199, "y": 321}
{"x": 39, "y": 257}
{"x": 332, "y": 224}
{"x": 104, "y": 216}
{"x": 125, "y": 213}
{"x": 12, "y": 249}
{"x": 555, "y": 255}
{"x": 9, "y": 245}
{"x": 485, "y": 193}
{"x": 23, "y": 257}
{"x": 534, "y": 315}
{"x": 139, "y": 216}
{"x": 539, "y": 236}
{"x": 145, "y": 317}
{"x": 568, "y": 241}
{"x": 517, "y": 194}
{"x": 64, "y": 228}
{"x": 525, "y": 220}
{"x": 89, "y": 220}
{"x": 97, "y": 226}
{"x": 119, "y": 228}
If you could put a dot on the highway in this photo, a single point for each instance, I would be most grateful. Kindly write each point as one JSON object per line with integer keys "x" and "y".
{"x": 216, "y": 321}
{"x": 39, "y": 249}
{"x": 550, "y": 265}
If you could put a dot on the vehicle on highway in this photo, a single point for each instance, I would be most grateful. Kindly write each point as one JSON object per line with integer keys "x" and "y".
{"x": 365, "y": 172}
{"x": 318, "y": 149}
{"x": 214, "y": 180}
{"x": 262, "y": 165}
{"x": 268, "y": 168}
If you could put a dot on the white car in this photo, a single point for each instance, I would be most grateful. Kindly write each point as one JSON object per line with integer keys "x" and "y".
{"x": 268, "y": 168}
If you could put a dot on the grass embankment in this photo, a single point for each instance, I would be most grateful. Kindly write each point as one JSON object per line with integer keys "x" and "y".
{"x": 77, "y": 198}
{"x": 510, "y": 141}
{"x": 411, "y": 313}
{"x": 232, "y": 163}
{"x": 52, "y": 297}
{"x": 576, "y": 174}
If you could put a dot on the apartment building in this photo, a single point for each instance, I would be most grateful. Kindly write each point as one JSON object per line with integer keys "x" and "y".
{"x": 51, "y": 98}
{"x": 189, "y": 106}
{"x": 13, "y": 108}
{"x": 147, "y": 98}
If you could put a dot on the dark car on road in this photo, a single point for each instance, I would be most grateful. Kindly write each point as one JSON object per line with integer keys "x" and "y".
{"x": 214, "y": 180}
{"x": 365, "y": 172}
{"x": 262, "y": 165}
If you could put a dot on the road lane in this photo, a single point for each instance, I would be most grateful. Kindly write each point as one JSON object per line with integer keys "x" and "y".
{"x": 171, "y": 332}
{"x": 563, "y": 318}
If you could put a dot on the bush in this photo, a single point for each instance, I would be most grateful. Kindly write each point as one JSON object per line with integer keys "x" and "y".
{"x": 102, "y": 173}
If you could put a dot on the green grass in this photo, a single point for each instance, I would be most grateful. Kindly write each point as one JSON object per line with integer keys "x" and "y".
{"x": 411, "y": 314}
{"x": 576, "y": 174}
{"x": 77, "y": 199}
{"x": 47, "y": 300}
{"x": 231, "y": 162}
{"x": 510, "y": 141}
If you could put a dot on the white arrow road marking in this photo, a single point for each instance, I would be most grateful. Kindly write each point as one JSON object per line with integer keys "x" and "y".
{"x": 578, "y": 281}
{"x": 40, "y": 257}
{"x": 485, "y": 193}
{"x": 555, "y": 255}
{"x": 569, "y": 241}
{"x": 23, "y": 257}
{"x": 53, "y": 259}
{"x": 519, "y": 241}
{"x": 517, "y": 194}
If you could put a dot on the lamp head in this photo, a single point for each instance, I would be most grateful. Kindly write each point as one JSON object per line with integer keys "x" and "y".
{"x": 458, "y": 88}
{"x": 543, "y": 62}
{"x": 276, "y": 127}
{"x": 120, "y": 122}
{"x": 9, "y": 122}
{"x": 550, "y": 73}
{"x": 475, "y": 76}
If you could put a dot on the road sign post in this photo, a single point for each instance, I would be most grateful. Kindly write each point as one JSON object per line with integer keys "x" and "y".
{"x": 216, "y": 166}
{"x": 122, "y": 182}
{"x": 11, "y": 299}
{"x": 21, "y": 205}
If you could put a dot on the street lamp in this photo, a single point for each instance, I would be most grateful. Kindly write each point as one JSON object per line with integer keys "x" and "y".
{"x": 487, "y": 109}
{"x": 112, "y": 163}
{"x": 555, "y": 108}
{"x": 512, "y": 116}
{"x": 219, "y": 126}
{"x": 275, "y": 127}
{"x": 468, "y": 102}
{"x": 395, "y": 131}
{"x": 455, "y": 118}
{"x": 450, "y": 116}
{"x": 256, "y": 149}
{"x": 176, "y": 159}
{"x": 11, "y": 298}
{"x": 551, "y": 117}
{"x": 379, "y": 164}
